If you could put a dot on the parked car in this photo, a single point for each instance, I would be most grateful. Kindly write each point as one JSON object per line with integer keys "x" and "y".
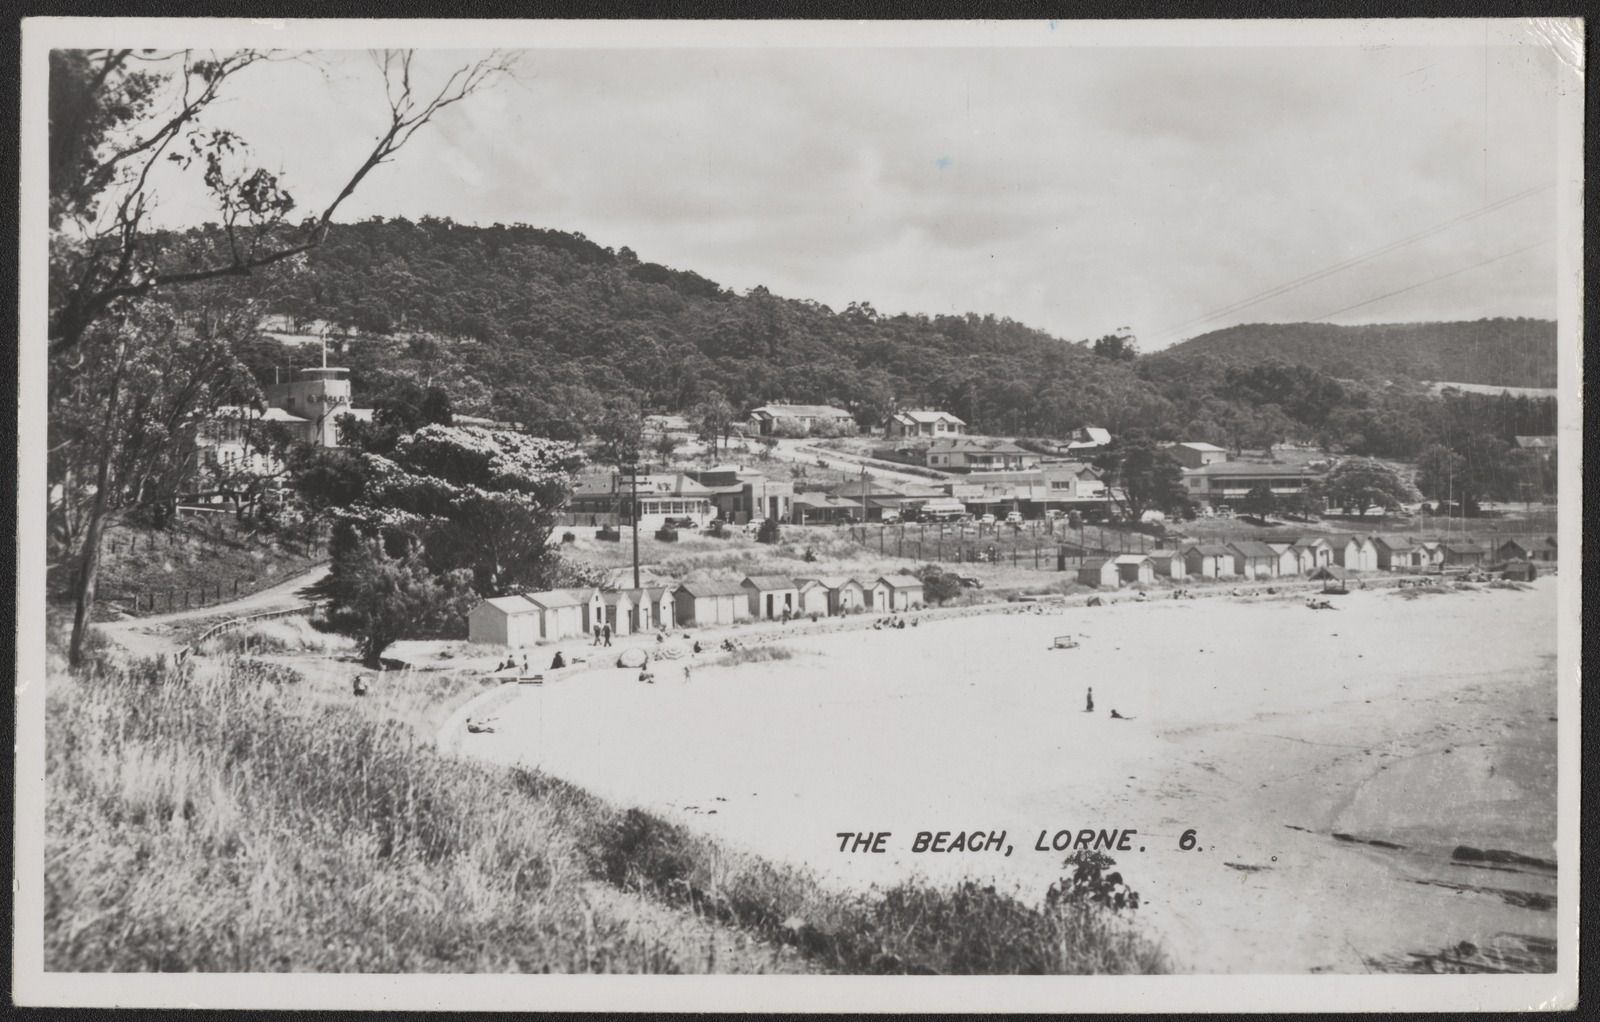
{"x": 890, "y": 517}
{"x": 682, "y": 523}
{"x": 986, "y": 520}
{"x": 754, "y": 524}
{"x": 1014, "y": 518}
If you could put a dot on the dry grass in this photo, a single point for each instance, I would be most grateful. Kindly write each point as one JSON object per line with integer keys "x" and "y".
{"x": 230, "y": 816}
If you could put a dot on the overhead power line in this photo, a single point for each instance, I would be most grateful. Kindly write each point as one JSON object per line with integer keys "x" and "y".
{"x": 1298, "y": 282}
{"x": 1431, "y": 280}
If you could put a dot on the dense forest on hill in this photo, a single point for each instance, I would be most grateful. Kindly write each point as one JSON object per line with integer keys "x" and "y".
{"x": 1497, "y": 352}
{"x": 546, "y": 328}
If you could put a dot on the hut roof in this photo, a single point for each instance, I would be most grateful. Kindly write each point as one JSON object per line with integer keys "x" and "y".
{"x": 559, "y": 598}
{"x": 509, "y": 604}
{"x": 903, "y": 581}
{"x": 699, "y": 589}
{"x": 1131, "y": 559}
{"x": 1253, "y": 548}
{"x": 1332, "y": 571}
{"x": 1095, "y": 563}
{"x": 768, "y": 582}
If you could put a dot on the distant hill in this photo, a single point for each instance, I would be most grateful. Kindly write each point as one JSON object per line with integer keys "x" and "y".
{"x": 1492, "y": 352}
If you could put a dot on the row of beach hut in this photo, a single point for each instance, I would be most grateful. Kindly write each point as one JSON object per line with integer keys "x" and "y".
{"x": 1253, "y": 559}
{"x": 530, "y": 618}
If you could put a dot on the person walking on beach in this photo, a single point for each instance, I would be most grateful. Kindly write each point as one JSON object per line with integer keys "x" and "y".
{"x": 607, "y": 633}
{"x": 1089, "y": 701}
{"x": 597, "y": 635}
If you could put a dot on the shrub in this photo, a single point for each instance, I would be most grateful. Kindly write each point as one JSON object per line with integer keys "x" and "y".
{"x": 757, "y": 655}
{"x": 608, "y": 533}
{"x": 667, "y": 535}
{"x": 769, "y": 531}
{"x": 938, "y": 585}
{"x": 569, "y": 537}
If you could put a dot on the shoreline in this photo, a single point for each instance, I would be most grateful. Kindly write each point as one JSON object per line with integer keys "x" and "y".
{"x": 1183, "y": 766}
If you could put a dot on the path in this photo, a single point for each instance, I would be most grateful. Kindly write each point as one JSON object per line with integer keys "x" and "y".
{"x": 143, "y": 635}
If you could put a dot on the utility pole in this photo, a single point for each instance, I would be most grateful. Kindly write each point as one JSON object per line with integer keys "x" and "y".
{"x": 633, "y": 512}
{"x": 863, "y": 501}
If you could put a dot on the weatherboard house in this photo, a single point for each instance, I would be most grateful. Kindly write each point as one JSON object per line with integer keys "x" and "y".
{"x": 774, "y": 420}
{"x": 924, "y": 423}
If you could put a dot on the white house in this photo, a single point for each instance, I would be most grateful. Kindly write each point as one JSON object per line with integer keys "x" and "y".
{"x": 1196, "y": 454}
{"x": 924, "y": 423}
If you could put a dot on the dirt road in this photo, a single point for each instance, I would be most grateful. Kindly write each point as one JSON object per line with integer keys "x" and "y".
{"x": 150, "y": 636}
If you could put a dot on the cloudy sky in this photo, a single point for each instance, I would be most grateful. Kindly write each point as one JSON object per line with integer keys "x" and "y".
{"x": 1077, "y": 190}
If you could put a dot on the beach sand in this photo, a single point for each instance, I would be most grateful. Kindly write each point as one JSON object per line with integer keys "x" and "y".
{"x": 1265, "y": 727}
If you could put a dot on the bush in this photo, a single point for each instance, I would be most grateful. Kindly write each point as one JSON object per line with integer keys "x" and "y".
{"x": 769, "y": 531}
{"x": 938, "y": 585}
{"x": 609, "y": 533}
{"x": 569, "y": 537}
{"x": 667, "y": 535}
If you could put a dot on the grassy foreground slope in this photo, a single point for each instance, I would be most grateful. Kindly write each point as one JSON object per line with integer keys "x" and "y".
{"x": 211, "y": 817}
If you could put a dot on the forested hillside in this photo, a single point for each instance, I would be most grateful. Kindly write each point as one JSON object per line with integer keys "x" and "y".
{"x": 547, "y": 328}
{"x": 1497, "y": 352}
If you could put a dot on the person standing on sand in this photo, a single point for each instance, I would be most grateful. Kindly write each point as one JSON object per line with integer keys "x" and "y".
{"x": 597, "y": 635}
{"x": 607, "y": 633}
{"x": 1089, "y": 701}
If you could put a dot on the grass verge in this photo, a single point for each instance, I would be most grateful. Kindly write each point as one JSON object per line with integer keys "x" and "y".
{"x": 223, "y": 817}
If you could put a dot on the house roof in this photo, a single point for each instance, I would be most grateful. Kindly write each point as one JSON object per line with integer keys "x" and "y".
{"x": 699, "y": 589}
{"x": 1131, "y": 559}
{"x": 654, "y": 593}
{"x": 1462, "y": 546}
{"x": 1094, "y": 564}
{"x": 768, "y": 582}
{"x": 977, "y": 446}
{"x": 1202, "y": 446}
{"x": 615, "y": 596}
{"x": 1529, "y": 544}
{"x": 1250, "y": 468}
{"x": 1207, "y": 549}
{"x": 1094, "y": 435}
{"x": 1166, "y": 555}
{"x": 509, "y": 604}
{"x": 807, "y": 583}
{"x": 1253, "y": 548}
{"x": 1394, "y": 542}
{"x": 902, "y": 581}
{"x": 801, "y": 412}
{"x": 924, "y": 415}
{"x": 1330, "y": 571}
{"x": 1537, "y": 442}
{"x": 279, "y": 415}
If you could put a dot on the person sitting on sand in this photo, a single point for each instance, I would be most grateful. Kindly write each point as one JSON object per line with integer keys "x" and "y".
{"x": 697, "y": 645}
{"x": 559, "y": 661}
{"x": 479, "y": 727}
{"x": 361, "y": 685}
{"x": 646, "y": 676}
{"x": 660, "y": 638}
{"x": 1117, "y": 716}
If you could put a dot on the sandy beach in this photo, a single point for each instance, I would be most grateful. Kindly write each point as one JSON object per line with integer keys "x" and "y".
{"x": 1266, "y": 728}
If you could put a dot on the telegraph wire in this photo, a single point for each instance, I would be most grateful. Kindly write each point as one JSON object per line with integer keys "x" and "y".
{"x": 1316, "y": 275}
{"x": 1430, "y": 280}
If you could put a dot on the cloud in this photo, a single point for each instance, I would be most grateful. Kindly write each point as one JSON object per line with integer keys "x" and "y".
{"x": 1074, "y": 189}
